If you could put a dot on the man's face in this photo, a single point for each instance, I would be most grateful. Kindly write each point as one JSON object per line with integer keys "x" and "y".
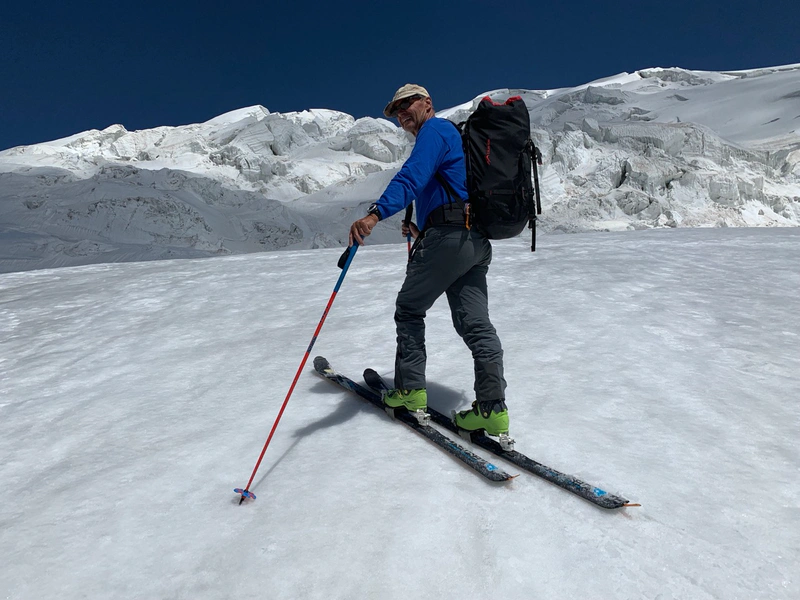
{"x": 412, "y": 117}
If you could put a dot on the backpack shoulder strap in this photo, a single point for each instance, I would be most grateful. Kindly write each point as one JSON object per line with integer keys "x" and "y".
{"x": 452, "y": 213}
{"x": 440, "y": 178}
{"x": 451, "y": 193}
{"x": 455, "y": 211}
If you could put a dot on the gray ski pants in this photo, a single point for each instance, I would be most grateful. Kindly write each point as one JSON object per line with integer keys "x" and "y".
{"x": 451, "y": 260}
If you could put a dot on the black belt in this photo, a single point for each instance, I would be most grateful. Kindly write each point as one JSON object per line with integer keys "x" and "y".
{"x": 451, "y": 213}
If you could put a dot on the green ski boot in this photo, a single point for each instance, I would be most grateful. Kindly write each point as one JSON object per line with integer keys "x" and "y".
{"x": 488, "y": 415}
{"x": 413, "y": 400}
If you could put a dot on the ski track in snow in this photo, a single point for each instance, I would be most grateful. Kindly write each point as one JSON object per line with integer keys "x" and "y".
{"x": 661, "y": 365}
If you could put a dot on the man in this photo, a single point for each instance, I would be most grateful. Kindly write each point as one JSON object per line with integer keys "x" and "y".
{"x": 447, "y": 259}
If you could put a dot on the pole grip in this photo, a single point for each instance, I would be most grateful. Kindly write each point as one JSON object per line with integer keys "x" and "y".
{"x": 407, "y": 222}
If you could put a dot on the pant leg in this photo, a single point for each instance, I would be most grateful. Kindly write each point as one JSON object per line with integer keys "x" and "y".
{"x": 469, "y": 305}
{"x": 443, "y": 256}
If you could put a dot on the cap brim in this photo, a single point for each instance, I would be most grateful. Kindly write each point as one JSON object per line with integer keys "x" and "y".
{"x": 388, "y": 110}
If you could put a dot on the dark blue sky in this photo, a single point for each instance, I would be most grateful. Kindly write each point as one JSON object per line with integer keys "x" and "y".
{"x": 68, "y": 67}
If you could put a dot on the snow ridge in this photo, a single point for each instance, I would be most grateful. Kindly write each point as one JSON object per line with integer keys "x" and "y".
{"x": 662, "y": 147}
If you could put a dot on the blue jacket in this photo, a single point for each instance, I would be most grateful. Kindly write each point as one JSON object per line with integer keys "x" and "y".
{"x": 438, "y": 148}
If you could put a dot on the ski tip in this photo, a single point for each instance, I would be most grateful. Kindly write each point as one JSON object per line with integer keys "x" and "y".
{"x": 499, "y": 474}
{"x": 245, "y": 494}
{"x": 321, "y": 363}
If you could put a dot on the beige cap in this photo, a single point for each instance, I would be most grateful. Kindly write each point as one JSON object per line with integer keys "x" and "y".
{"x": 408, "y": 90}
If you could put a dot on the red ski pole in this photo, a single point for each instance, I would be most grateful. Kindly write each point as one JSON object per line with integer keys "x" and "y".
{"x": 349, "y": 254}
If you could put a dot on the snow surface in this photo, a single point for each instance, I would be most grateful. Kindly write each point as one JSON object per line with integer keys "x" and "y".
{"x": 661, "y": 365}
{"x": 658, "y": 148}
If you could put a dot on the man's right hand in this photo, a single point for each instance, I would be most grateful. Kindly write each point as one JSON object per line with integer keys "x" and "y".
{"x": 362, "y": 228}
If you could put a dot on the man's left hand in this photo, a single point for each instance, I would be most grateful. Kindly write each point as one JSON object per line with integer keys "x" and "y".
{"x": 412, "y": 229}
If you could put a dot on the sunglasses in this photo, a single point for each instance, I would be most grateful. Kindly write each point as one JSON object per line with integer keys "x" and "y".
{"x": 404, "y": 104}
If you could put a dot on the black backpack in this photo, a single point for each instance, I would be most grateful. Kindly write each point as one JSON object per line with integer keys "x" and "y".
{"x": 500, "y": 158}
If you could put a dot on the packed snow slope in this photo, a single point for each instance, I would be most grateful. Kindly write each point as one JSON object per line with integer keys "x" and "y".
{"x": 660, "y": 365}
{"x": 655, "y": 148}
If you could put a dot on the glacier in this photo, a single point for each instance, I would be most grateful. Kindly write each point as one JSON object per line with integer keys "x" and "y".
{"x": 657, "y": 148}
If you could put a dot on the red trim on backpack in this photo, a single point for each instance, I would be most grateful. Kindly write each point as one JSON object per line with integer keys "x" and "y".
{"x": 509, "y": 101}
{"x": 488, "y": 149}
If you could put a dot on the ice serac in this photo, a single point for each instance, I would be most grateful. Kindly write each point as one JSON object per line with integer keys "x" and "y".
{"x": 661, "y": 147}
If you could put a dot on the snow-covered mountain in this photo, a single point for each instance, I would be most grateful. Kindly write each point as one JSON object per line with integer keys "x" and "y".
{"x": 655, "y": 148}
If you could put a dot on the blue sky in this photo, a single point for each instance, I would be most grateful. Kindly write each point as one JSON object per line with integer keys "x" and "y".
{"x": 68, "y": 67}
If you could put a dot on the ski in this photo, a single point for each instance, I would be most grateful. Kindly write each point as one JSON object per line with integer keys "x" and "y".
{"x": 469, "y": 458}
{"x": 568, "y": 482}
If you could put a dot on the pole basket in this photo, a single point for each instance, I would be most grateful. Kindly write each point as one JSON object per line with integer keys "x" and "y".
{"x": 245, "y": 494}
